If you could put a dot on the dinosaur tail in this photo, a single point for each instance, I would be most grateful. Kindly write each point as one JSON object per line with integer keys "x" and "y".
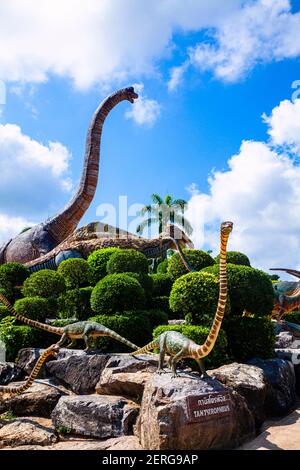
{"x": 211, "y": 339}
{"x": 147, "y": 348}
{"x": 28, "y": 321}
{"x": 119, "y": 338}
{"x": 51, "y": 351}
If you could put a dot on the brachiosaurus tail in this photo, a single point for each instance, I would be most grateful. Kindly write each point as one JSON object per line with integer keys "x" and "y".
{"x": 114, "y": 335}
{"x": 42, "y": 326}
{"x": 205, "y": 349}
{"x": 51, "y": 351}
{"x": 147, "y": 348}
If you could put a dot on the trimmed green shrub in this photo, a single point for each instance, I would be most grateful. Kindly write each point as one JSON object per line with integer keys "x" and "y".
{"x": 218, "y": 355}
{"x": 45, "y": 283}
{"x": 76, "y": 303}
{"x": 135, "y": 326}
{"x": 235, "y": 257}
{"x": 145, "y": 280}
{"x": 293, "y": 317}
{"x": 157, "y": 317}
{"x": 14, "y": 273}
{"x": 249, "y": 289}
{"x": 128, "y": 261}
{"x": 115, "y": 293}
{"x": 162, "y": 267}
{"x": 97, "y": 262}
{"x": 196, "y": 296}
{"x": 162, "y": 303}
{"x": 197, "y": 258}
{"x": 8, "y": 291}
{"x": 75, "y": 272}
{"x": 36, "y": 308}
{"x": 162, "y": 284}
{"x": 4, "y": 312}
{"x": 250, "y": 337}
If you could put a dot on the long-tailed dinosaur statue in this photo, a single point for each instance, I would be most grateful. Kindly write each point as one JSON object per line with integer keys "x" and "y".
{"x": 86, "y": 330}
{"x": 85, "y": 241}
{"x": 17, "y": 390}
{"x": 179, "y": 346}
{"x": 42, "y": 238}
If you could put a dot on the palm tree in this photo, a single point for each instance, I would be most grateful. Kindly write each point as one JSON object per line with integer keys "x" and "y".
{"x": 163, "y": 212}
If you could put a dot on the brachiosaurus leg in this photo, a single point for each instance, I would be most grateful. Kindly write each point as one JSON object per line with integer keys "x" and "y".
{"x": 202, "y": 368}
{"x": 173, "y": 361}
{"x": 162, "y": 351}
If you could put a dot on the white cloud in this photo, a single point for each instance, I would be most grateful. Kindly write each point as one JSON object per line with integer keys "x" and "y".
{"x": 34, "y": 178}
{"x": 176, "y": 76}
{"x": 144, "y": 111}
{"x": 284, "y": 124}
{"x": 11, "y": 226}
{"x": 95, "y": 41}
{"x": 260, "y": 32}
{"x": 260, "y": 193}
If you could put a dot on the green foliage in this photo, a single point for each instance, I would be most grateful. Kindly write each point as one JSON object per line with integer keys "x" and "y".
{"x": 76, "y": 303}
{"x": 36, "y": 308}
{"x": 97, "y": 262}
{"x": 162, "y": 284}
{"x": 250, "y": 337}
{"x": 4, "y": 312}
{"x": 157, "y": 317}
{"x": 162, "y": 303}
{"x": 115, "y": 293}
{"x": 162, "y": 267}
{"x": 45, "y": 283}
{"x": 218, "y": 355}
{"x": 197, "y": 258}
{"x": 293, "y": 317}
{"x": 129, "y": 260}
{"x": 249, "y": 289}
{"x": 235, "y": 257}
{"x": 75, "y": 272}
{"x": 135, "y": 326}
{"x": 145, "y": 280}
{"x": 195, "y": 295}
{"x": 14, "y": 273}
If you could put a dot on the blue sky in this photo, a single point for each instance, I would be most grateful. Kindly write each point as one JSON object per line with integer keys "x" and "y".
{"x": 207, "y": 74}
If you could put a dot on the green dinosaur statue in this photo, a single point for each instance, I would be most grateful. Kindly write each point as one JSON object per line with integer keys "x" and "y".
{"x": 17, "y": 390}
{"x": 86, "y": 330}
{"x": 179, "y": 346}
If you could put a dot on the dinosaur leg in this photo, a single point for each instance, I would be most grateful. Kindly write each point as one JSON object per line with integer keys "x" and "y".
{"x": 71, "y": 344}
{"x": 202, "y": 368}
{"x": 162, "y": 350}
{"x": 173, "y": 361}
{"x": 87, "y": 338}
{"x": 62, "y": 340}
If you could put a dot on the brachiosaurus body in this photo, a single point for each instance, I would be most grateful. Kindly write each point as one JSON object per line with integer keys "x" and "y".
{"x": 179, "y": 346}
{"x": 42, "y": 238}
{"x": 17, "y": 390}
{"x": 86, "y": 330}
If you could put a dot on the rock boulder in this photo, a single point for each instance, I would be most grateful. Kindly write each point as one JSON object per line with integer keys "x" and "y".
{"x": 9, "y": 372}
{"x": 27, "y": 431}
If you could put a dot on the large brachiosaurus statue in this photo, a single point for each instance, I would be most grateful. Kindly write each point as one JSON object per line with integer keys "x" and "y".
{"x": 42, "y": 238}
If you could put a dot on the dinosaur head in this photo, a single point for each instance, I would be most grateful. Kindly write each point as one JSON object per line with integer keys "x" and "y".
{"x": 53, "y": 350}
{"x": 179, "y": 237}
{"x": 226, "y": 228}
{"x": 130, "y": 94}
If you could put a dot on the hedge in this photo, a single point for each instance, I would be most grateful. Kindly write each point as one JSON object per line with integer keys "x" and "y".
{"x": 162, "y": 284}
{"x": 196, "y": 296}
{"x": 75, "y": 271}
{"x": 4, "y": 312}
{"x": 36, "y": 308}
{"x": 162, "y": 267}
{"x": 235, "y": 257}
{"x": 249, "y": 289}
{"x": 293, "y": 317}
{"x": 197, "y": 258}
{"x": 76, "y": 303}
{"x": 218, "y": 355}
{"x": 13, "y": 273}
{"x": 116, "y": 293}
{"x": 127, "y": 261}
{"x": 162, "y": 303}
{"x": 97, "y": 262}
{"x": 250, "y": 337}
{"x": 145, "y": 281}
{"x": 45, "y": 283}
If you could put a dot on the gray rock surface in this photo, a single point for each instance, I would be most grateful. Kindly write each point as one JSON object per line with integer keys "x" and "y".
{"x": 284, "y": 339}
{"x": 27, "y": 431}
{"x": 167, "y": 421}
{"x": 27, "y": 358}
{"x": 100, "y": 416}
{"x": 9, "y": 372}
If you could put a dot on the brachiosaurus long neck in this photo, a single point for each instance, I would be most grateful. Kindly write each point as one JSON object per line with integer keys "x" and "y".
{"x": 42, "y": 326}
{"x": 64, "y": 223}
{"x": 211, "y": 339}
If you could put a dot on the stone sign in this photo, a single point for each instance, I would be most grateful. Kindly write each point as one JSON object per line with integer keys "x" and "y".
{"x": 209, "y": 406}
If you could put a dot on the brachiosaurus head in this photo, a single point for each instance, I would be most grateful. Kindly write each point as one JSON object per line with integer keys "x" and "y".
{"x": 226, "y": 227}
{"x": 179, "y": 236}
{"x": 131, "y": 95}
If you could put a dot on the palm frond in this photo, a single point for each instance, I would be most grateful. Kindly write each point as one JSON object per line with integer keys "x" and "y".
{"x": 157, "y": 199}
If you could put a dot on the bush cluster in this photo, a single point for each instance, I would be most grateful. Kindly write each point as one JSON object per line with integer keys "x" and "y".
{"x": 76, "y": 303}
{"x": 235, "y": 257}
{"x": 97, "y": 262}
{"x": 75, "y": 271}
{"x": 197, "y": 259}
{"x": 36, "y": 308}
{"x": 127, "y": 261}
{"x": 45, "y": 283}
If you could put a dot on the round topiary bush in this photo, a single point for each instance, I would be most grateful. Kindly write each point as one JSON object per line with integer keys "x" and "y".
{"x": 195, "y": 295}
{"x": 36, "y": 308}
{"x": 249, "y": 289}
{"x": 116, "y": 293}
{"x": 75, "y": 271}
{"x": 162, "y": 267}
{"x": 198, "y": 259}
{"x": 13, "y": 273}
{"x": 250, "y": 337}
{"x": 97, "y": 262}
{"x": 218, "y": 356}
{"x": 145, "y": 280}
{"x": 45, "y": 283}
{"x": 127, "y": 261}
{"x": 162, "y": 303}
{"x": 162, "y": 284}
{"x": 76, "y": 303}
{"x": 235, "y": 257}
